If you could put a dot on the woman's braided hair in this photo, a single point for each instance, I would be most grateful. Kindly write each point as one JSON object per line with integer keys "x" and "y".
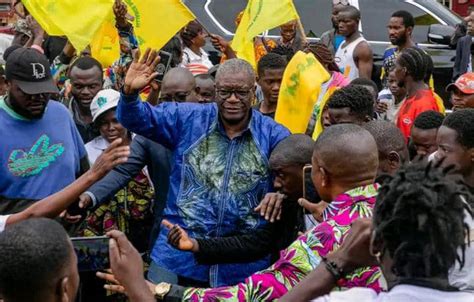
{"x": 416, "y": 61}
{"x": 419, "y": 218}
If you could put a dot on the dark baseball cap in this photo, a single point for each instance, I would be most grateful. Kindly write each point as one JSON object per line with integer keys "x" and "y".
{"x": 31, "y": 71}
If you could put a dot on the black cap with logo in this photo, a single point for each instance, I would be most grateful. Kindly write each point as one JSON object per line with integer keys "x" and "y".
{"x": 31, "y": 71}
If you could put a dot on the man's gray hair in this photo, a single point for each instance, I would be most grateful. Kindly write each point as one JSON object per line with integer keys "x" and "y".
{"x": 234, "y": 66}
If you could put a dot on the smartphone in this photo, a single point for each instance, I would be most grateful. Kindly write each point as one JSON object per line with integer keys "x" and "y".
{"x": 74, "y": 210}
{"x": 164, "y": 65}
{"x": 309, "y": 191}
{"x": 92, "y": 253}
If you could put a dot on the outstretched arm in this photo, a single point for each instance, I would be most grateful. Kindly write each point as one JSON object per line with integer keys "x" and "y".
{"x": 232, "y": 249}
{"x": 53, "y": 205}
{"x": 238, "y": 248}
{"x": 128, "y": 42}
{"x": 161, "y": 123}
{"x": 116, "y": 179}
{"x": 223, "y": 46}
{"x": 295, "y": 262}
{"x": 353, "y": 253}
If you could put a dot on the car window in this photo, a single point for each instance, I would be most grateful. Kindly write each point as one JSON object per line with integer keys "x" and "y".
{"x": 441, "y": 11}
{"x": 315, "y": 16}
{"x": 225, "y": 12}
{"x": 376, "y": 14}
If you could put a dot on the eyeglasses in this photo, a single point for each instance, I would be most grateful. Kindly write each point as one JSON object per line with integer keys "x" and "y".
{"x": 177, "y": 97}
{"x": 239, "y": 93}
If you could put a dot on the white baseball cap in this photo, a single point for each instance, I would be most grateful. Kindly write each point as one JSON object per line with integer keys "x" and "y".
{"x": 104, "y": 100}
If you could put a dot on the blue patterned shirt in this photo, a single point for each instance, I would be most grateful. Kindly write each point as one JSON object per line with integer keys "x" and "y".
{"x": 216, "y": 182}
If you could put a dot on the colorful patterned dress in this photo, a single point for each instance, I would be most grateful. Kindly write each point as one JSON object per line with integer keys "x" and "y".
{"x": 303, "y": 255}
{"x": 129, "y": 210}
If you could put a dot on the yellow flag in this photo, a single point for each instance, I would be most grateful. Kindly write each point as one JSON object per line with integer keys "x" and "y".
{"x": 299, "y": 91}
{"x": 319, "y": 127}
{"x": 149, "y": 15}
{"x": 157, "y": 21}
{"x": 260, "y": 15}
{"x": 105, "y": 46}
{"x": 78, "y": 20}
{"x": 38, "y": 10}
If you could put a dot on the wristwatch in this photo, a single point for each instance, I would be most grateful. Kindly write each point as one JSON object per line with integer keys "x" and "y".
{"x": 161, "y": 290}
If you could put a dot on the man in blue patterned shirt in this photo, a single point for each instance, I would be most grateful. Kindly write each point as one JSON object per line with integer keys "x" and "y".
{"x": 220, "y": 170}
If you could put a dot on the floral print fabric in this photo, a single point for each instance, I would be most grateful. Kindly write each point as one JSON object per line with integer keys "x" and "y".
{"x": 303, "y": 255}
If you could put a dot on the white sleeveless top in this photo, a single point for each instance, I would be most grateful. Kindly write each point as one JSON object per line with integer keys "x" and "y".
{"x": 344, "y": 58}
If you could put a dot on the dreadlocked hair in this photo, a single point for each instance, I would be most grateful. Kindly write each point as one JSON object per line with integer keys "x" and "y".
{"x": 324, "y": 56}
{"x": 419, "y": 219}
{"x": 416, "y": 61}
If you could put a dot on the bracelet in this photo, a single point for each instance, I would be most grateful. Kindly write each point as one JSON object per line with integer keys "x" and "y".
{"x": 334, "y": 269}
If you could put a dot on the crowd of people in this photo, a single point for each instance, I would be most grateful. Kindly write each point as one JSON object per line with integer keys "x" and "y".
{"x": 204, "y": 195}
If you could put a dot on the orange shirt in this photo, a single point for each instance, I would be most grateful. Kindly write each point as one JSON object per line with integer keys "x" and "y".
{"x": 423, "y": 100}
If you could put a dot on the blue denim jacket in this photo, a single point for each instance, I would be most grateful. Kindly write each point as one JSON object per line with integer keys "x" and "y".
{"x": 215, "y": 182}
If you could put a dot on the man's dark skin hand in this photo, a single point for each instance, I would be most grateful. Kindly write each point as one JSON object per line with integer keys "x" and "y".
{"x": 179, "y": 238}
{"x": 141, "y": 72}
{"x": 36, "y": 29}
{"x": 222, "y": 45}
{"x": 270, "y": 206}
{"x": 316, "y": 209}
{"x": 120, "y": 12}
